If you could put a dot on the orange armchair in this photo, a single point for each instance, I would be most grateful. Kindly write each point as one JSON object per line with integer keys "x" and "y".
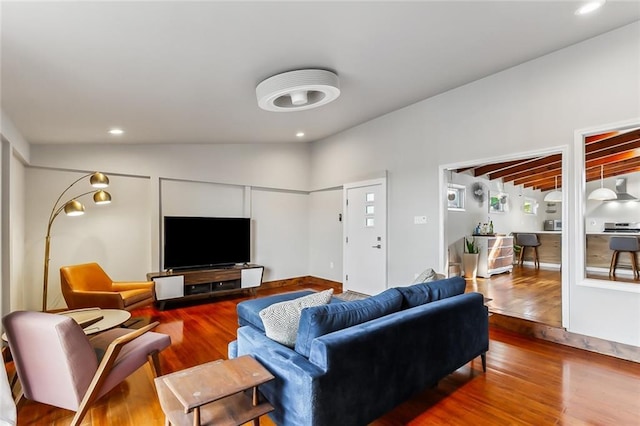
{"x": 87, "y": 285}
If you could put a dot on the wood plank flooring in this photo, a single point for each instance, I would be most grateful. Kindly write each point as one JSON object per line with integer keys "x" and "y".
{"x": 526, "y": 292}
{"x": 528, "y": 381}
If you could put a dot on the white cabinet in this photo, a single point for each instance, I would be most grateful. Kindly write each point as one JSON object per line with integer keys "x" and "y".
{"x": 496, "y": 255}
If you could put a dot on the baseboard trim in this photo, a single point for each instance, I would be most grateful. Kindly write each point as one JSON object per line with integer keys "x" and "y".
{"x": 563, "y": 337}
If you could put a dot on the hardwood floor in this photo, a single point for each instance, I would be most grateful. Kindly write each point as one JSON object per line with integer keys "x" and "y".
{"x": 526, "y": 292}
{"x": 528, "y": 381}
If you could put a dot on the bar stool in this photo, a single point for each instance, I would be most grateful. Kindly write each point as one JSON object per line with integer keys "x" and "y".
{"x": 630, "y": 245}
{"x": 528, "y": 240}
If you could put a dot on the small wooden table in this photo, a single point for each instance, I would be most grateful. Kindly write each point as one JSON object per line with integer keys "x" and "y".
{"x": 214, "y": 393}
{"x": 96, "y": 320}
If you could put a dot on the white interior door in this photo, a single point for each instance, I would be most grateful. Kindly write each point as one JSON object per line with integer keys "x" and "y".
{"x": 365, "y": 232}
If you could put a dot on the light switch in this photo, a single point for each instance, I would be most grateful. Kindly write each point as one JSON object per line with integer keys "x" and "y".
{"x": 419, "y": 220}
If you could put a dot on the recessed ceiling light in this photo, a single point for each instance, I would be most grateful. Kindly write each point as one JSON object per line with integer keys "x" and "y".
{"x": 300, "y": 134}
{"x": 589, "y": 7}
{"x": 116, "y": 131}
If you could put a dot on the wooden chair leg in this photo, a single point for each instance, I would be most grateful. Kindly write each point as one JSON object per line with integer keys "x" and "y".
{"x": 521, "y": 259}
{"x": 536, "y": 260}
{"x": 614, "y": 261}
{"x": 154, "y": 362}
{"x": 634, "y": 264}
{"x": 483, "y": 357}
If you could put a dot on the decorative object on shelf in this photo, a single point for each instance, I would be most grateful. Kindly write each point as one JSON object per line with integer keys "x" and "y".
{"x": 72, "y": 207}
{"x": 298, "y": 90}
{"x": 555, "y": 195}
{"x": 479, "y": 192}
{"x": 470, "y": 258}
{"x": 602, "y": 193}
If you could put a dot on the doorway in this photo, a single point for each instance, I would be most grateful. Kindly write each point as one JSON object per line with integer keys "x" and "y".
{"x": 365, "y": 236}
{"x": 509, "y": 192}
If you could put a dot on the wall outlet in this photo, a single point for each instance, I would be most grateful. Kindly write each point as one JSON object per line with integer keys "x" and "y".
{"x": 419, "y": 220}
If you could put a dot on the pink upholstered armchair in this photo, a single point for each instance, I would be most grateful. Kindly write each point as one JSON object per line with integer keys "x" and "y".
{"x": 58, "y": 364}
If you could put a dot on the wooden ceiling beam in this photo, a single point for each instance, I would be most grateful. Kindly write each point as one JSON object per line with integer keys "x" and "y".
{"x": 491, "y": 168}
{"x": 533, "y": 177}
{"x": 612, "y": 142}
{"x": 615, "y": 150}
{"x": 526, "y": 166}
{"x": 554, "y": 168}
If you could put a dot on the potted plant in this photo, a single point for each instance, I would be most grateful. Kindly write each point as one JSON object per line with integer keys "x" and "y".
{"x": 470, "y": 258}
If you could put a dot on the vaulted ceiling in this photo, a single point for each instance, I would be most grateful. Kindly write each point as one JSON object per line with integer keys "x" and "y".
{"x": 186, "y": 71}
{"x": 613, "y": 154}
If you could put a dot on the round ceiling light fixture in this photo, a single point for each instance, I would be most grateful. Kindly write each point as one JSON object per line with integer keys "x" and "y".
{"x": 298, "y": 90}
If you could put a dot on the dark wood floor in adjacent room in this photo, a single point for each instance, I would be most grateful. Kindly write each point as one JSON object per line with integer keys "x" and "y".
{"x": 528, "y": 381}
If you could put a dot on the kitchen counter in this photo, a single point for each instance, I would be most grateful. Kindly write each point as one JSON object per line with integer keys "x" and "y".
{"x": 634, "y": 234}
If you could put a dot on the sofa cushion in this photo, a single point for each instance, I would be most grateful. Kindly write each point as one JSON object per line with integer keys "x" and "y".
{"x": 419, "y": 294}
{"x": 321, "y": 320}
{"x": 249, "y": 310}
{"x": 281, "y": 319}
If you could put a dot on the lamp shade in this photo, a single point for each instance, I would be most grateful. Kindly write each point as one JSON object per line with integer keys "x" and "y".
{"x": 101, "y": 197}
{"x": 99, "y": 180}
{"x": 602, "y": 194}
{"x": 73, "y": 208}
{"x": 553, "y": 196}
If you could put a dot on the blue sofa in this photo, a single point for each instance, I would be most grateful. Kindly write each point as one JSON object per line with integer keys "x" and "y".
{"x": 354, "y": 361}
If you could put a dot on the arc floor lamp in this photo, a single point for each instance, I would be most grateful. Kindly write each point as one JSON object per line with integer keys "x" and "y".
{"x": 72, "y": 207}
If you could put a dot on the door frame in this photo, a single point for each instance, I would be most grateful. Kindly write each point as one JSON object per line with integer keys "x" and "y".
{"x": 345, "y": 232}
{"x": 568, "y": 222}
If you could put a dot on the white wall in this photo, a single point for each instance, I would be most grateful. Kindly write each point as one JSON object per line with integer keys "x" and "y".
{"x": 325, "y": 234}
{"x": 280, "y": 232}
{"x": 537, "y": 105}
{"x": 598, "y": 212}
{"x": 17, "y": 233}
{"x": 462, "y": 223}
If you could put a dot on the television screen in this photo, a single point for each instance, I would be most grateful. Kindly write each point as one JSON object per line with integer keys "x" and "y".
{"x": 192, "y": 242}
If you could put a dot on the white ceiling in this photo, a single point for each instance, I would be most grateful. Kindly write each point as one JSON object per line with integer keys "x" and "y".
{"x": 185, "y": 72}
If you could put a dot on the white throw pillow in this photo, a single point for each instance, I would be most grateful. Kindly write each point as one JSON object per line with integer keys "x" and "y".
{"x": 427, "y": 276}
{"x": 281, "y": 320}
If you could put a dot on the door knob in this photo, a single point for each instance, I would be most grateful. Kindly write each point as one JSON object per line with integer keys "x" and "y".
{"x": 378, "y": 246}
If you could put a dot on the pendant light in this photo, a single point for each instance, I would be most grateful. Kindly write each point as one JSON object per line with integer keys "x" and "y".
{"x": 555, "y": 195}
{"x": 602, "y": 193}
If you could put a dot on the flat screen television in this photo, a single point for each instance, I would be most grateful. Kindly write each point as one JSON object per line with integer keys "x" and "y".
{"x": 198, "y": 242}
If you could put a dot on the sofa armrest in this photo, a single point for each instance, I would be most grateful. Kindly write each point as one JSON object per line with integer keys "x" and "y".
{"x": 279, "y": 357}
{"x": 132, "y": 285}
{"x": 295, "y": 389}
{"x": 102, "y": 299}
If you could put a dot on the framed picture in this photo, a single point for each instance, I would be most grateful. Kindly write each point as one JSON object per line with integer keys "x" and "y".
{"x": 455, "y": 197}
{"x": 498, "y": 202}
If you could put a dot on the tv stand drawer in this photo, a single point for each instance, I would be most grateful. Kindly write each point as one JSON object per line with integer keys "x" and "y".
{"x": 207, "y": 276}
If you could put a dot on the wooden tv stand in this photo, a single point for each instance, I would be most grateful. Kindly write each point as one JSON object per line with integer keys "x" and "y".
{"x": 178, "y": 285}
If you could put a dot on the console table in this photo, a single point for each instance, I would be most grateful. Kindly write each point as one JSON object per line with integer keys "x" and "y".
{"x": 203, "y": 283}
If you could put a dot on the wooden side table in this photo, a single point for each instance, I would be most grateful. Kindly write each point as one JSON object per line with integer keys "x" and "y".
{"x": 214, "y": 393}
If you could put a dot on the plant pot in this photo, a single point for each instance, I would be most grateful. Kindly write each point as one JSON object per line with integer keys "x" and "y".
{"x": 470, "y": 264}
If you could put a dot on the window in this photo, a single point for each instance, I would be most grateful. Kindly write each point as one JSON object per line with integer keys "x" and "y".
{"x": 530, "y": 206}
{"x": 455, "y": 197}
